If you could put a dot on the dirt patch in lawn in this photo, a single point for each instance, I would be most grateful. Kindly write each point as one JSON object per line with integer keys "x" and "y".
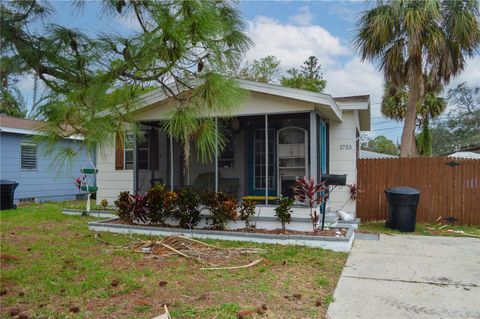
{"x": 69, "y": 273}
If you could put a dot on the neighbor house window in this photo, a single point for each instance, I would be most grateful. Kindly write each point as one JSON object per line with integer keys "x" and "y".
{"x": 28, "y": 156}
{"x": 128, "y": 151}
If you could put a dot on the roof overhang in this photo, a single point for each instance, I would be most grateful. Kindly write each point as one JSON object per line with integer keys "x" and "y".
{"x": 323, "y": 103}
{"x": 361, "y": 103}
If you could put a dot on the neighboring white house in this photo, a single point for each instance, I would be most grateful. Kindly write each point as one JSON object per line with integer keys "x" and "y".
{"x": 305, "y": 133}
{"x": 370, "y": 154}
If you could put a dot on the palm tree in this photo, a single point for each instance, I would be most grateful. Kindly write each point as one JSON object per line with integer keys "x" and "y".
{"x": 410, "y": 38}
{"x": 429, "y": 107}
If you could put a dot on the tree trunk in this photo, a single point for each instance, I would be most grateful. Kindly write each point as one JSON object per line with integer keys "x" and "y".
{"x": 408, "y": 147}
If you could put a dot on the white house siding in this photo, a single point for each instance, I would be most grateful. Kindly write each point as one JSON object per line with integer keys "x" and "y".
{"x": 256, "y": 104}
{"x": 342, "y": 159}
{"x": 110, "y": 181}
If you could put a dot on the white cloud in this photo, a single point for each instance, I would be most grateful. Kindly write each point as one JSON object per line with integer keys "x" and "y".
{"x": 303, "y": 18}
{"x": 293, "y": 44}
{"x": 471, "y": 74}
{"x": 356, "y": 78}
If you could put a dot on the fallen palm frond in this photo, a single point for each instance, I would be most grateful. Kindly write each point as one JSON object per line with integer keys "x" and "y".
{"x": 210, "y": 256}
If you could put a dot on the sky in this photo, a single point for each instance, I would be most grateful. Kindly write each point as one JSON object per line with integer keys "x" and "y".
{"x": 292, "y": 31}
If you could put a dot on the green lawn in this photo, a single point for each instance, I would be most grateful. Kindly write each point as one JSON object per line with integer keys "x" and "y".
{"x": 52, "y": 266}
{"x": 421, "y": 229}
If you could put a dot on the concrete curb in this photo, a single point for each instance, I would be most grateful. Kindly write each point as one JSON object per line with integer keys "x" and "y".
{"x": 93, "y": 213}
{"x": 341, "y": 244}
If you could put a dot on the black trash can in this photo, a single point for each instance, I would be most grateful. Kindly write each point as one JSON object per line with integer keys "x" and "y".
{"x": 7, "y": 191}
{"x": 402, "y": 208}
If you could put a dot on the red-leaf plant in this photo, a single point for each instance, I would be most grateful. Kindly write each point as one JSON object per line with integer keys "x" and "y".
{"x": 138, "y": 208}
{"x": 354, "y": 191}
{"x": 311, "y": 194}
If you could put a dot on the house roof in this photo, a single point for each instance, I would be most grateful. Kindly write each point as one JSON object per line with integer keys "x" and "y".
{"x": 20, "y": 126}
{"x": 326, "y": 104}
{"x": 360, "y": 103}
{"x": 472, "y": 148}
{"x": 465, "y": 155}
{"x": 370, "y": 154}
{"x": 9, "y": 124}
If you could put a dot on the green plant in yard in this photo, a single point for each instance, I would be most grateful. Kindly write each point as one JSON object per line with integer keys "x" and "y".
{"x": 247, "y": 210}
{"x": 222, "y": 208}
{"x": 161, "y": 203}
{"x": 104, "y": 204}
{"x": 284, "y": 210}
{"x": 123, "y": 203}
{"x": 132, "y": 208}
{"x": 188, "y": 211}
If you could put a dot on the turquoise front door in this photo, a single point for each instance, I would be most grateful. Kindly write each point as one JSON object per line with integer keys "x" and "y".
{"x": 257, "y": 170}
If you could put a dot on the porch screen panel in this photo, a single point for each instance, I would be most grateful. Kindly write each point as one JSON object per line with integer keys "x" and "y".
{"x": 260, "y": 171}
{"x": 151, "y": 158}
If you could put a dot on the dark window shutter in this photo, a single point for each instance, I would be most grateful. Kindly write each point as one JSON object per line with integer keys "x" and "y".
{"x": 154, "y": 149}
{"x": 118, "y": 153}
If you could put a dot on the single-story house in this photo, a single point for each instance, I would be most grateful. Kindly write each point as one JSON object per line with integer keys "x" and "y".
{"x": 23, "y": 160}
{"x": 278, "y": 135}
{"x": 370, "y": 154}
{"x": 465, "y": 154}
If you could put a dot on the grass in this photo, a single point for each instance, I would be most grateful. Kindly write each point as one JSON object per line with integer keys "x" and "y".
{"x": 420, "y": 229}
{"x": 51, "y": 263}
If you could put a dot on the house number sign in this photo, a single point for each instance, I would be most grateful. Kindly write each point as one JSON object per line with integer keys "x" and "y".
{"x": 345, "y": 147}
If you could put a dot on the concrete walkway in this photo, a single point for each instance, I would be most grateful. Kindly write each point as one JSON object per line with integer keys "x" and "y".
{"x": 410, "y": 277}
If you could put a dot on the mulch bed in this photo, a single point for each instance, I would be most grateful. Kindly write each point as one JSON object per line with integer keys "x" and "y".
{"x": 329, "y": 232}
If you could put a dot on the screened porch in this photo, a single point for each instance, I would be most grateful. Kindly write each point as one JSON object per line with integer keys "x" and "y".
{"x": 263, "y": 156}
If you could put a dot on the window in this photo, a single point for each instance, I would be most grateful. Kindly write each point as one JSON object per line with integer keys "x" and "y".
{"x": 227, "y": 158}
{"x": 28, "y": 154}
{"x": 128, "y": 151}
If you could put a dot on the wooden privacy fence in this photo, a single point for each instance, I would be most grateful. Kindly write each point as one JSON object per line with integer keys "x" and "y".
{"x": 449, "y": 187}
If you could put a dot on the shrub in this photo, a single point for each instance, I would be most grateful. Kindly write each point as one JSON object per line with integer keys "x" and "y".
{"x": 247, "y": 210}
{"x": 123, "y": 204}
{"x": 222, "y": 208}
{"x": 311, "y": 194}
{"x": 284, "y": 210}
{"x": 187, "y": 212}
{"x": 138, "y": 208}
{"x": 161, "y": 203}
{"x": 104, "y": 203}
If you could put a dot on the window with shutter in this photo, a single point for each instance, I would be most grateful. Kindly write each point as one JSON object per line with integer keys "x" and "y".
{"x": 28, "y": 156}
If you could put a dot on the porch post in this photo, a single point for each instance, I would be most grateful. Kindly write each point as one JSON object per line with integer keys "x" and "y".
{"x": 216, "y": 155}
{"x": 171, "y": 163}
{"x": 266, "y": 159}
{"x": 135, "y": 165}
{"x": 313, "y": 146}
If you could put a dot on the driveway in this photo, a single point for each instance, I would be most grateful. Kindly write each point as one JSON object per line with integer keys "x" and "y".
{"x": 410, "y": 277}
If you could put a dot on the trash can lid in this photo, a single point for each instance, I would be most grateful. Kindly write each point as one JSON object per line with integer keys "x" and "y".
{"x": 404, "y": 190}
{"x": 7, "y": 182}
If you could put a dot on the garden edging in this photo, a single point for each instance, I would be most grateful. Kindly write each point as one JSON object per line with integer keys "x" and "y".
{"x": 340, "y": 244}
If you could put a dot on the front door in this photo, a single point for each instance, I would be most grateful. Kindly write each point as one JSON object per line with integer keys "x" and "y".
{"x": 256, "y": 162}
